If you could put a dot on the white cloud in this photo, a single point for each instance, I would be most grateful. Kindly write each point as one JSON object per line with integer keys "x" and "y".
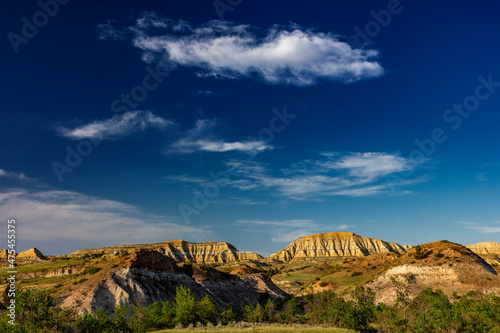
{"x": 200, "y": 138}
{"x": 59, "y": 222}
{"x": 15, "y": 175}
{"x": 119, "y": 125}
{"x": 343, "y": 227}
{"x": 186, "y": 179}
{"x": 369, "y": 165}
{"x": 281, "y": 223}
{"x": 281, "y": 228}
{"x": 291, "y": 236}
{"x": 354, "y": 174}
{"x": 487, "y": 229}
{"x": 204, "y": 92}
{"x": 281, "y": 55}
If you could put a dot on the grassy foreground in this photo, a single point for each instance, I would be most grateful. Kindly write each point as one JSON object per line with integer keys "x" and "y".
{"x": 261, "y": 328}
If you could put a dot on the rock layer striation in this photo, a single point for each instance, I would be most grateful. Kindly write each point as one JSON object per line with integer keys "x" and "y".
{"x": 336, "y": 244}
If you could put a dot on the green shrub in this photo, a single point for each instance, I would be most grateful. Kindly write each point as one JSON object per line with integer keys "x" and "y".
{"x": 356, "y": 273}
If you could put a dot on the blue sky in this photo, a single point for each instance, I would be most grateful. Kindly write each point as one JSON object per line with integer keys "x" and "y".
{"x": 250, "y": 122}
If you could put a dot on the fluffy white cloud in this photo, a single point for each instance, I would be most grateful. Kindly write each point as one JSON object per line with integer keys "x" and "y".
{"x": 59, "y": 222}
{"x": 200, "y": 138}
{"x": 281, "y": 55}
{"x": 119, "y": 125}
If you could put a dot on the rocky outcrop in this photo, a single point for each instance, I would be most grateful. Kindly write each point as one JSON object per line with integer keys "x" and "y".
{"x": 32, "y": 254}
{"x": 180, "y": 251}
{"x": 149, "y": 276}
{"x": 489, "y": 251}
{"x": 3, "y": 254}
{"x": 336, "y": 244}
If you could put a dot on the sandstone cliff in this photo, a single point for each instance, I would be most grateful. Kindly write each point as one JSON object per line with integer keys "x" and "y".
{"x": 485, "y": 248}
{"x": 150, "y": 276}
{"x": 336, "y": 244}
{"x": 180, "y": 251}
{"x": 489, "y": 251}
{"x": 32, "y": 254}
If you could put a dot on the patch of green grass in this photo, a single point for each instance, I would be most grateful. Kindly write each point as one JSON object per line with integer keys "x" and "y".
{"x": 295, "y": 277}
{"x": 92, "y": 270}
{"x": 45, "y": 280}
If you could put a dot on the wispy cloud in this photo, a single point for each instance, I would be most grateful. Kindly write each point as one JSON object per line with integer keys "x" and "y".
{"x": 281, "y": 228}
{"x": 282, "y": 223}
{"x": 201, "y": 138}
{"x": 280, "y": 55}
{"x": 204, "y": 92}
{"x": 490, "y": 228}
{"x": 354, "y": 174}
{"x": 117, "y": 126}
{"x": 186, "y": 179}
{"x": 15, "y": 175}
{"x": 59, "y": 221}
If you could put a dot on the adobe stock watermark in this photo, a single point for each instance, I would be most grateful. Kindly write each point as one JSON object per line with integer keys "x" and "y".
{"x": 74, "y": 156}
{"x": 209, "y": 191}
{"x": 454, "y": 118}
{"x": 31, "y": 27}
{"x": 381, "y": 19}
{"x": 126, "y": 102}
{"x": 222, "y": 6}
{"x": 139, "y": 93}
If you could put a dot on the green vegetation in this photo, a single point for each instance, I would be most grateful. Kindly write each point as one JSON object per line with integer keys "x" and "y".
{"x": 430, "y": 311}
{"x": 92, "y": 270}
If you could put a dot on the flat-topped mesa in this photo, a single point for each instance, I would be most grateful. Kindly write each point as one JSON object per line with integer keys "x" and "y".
{"x": 32, "y": 254}
{"x": 336, "y": 244}
{"x": 181, "y": 251}
{"x": 485, "y": 248}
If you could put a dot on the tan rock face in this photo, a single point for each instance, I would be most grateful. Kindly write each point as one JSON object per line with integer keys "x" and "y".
{"x": 336, "y": 244}
{"x": 182, "y": 251}
{"x": 485, "y": 248}
{"x": 32, "y": 254}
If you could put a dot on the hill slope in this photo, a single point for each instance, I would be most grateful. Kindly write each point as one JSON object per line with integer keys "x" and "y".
{"x": 439, "y": 265}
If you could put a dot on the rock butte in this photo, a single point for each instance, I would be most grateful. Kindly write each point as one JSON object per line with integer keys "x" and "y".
{"x": 336, "y": 244}
{"x": 181, "y": 251}
{"x": 32, "y": 254}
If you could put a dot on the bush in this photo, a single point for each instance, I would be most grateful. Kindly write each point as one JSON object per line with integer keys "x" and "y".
{"x": 356, "y": 273}
{"x": 419, "y": 252}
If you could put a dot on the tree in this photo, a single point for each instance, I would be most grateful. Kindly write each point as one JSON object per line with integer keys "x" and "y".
{"x": 185, "y": 306}
{"x": 270, "y": 310}
{"x": 168, "y": 315}
{"x": 206, "y": 311}
{"x": 228, "y": 315}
